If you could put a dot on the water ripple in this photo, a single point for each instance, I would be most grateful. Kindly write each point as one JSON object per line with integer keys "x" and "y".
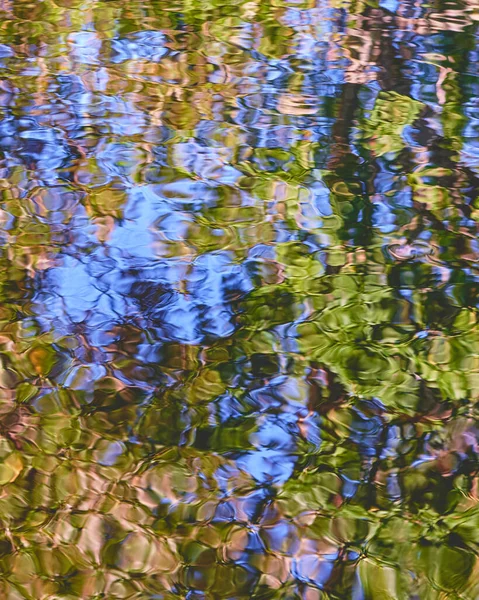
{"x": 239, "y": 290}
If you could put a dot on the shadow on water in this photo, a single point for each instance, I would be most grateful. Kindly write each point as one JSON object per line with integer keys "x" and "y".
{"x": 239, "y": 345}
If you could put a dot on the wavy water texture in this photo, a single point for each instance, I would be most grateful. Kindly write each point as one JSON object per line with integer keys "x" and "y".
{"x": 239, "y": 338}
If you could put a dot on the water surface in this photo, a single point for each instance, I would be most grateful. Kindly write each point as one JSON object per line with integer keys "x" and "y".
{"x": 239, "y": 339}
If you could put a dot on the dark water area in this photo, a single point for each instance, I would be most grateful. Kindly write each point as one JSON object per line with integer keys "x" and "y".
{"x": 239, "y": 339}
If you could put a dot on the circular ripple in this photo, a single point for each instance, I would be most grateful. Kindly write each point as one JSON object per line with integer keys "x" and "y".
{"x": 414, "y": 250}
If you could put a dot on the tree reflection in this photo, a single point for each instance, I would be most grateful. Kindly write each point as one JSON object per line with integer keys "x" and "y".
{"x": 238, "y": 321}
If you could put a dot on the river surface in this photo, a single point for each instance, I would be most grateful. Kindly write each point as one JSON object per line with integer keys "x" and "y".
{"x": 239, "y": 290}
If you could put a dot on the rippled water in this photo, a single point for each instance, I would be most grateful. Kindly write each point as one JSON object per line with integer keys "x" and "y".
{"x": 239, "y": 281}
